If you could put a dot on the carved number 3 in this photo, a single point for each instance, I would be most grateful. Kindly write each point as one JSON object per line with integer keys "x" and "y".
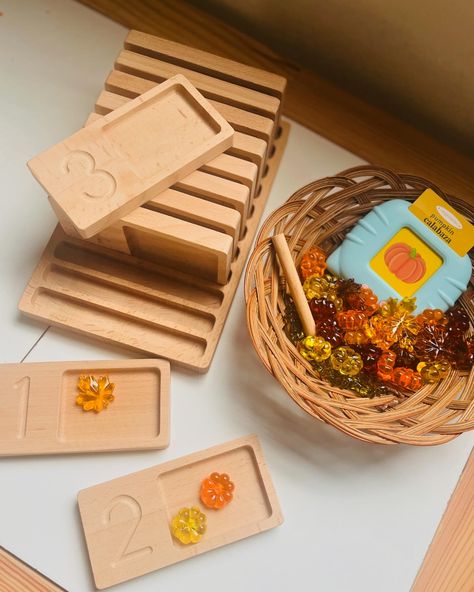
{"x": 135, "y": 510}
{"x": 98, "y": 183}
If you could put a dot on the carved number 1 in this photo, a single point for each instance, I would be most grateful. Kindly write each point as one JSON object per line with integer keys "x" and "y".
{"x": 136, "y": 511}
{"x": 23, "y": 388}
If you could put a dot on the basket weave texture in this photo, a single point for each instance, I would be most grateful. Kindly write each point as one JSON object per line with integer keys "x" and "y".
{"x": 320, "y": 214}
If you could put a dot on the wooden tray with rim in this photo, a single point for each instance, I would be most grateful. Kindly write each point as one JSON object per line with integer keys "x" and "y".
{"x": 115, "y": 287}
{"x": 127, "y": 521}
{"x": 40, "y": 415}
{"x": 116, "y": 163}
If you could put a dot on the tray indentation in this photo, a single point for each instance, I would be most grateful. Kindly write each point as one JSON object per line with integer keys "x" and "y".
{"x": 127, "y": 418}
{"x": 143, "y": 306}
{"x": 180, "y": 488}
{"x": 174, "y": 125}
{"x": 112, "y": 266}
{"x": 14, "y": 398}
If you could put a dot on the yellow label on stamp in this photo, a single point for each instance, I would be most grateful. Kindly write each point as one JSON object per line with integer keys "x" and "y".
{"x": 406, "y": 262}
{"x": 442, "y": 219}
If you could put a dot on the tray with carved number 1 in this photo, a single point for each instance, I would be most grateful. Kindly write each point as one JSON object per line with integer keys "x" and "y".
{"x": 40, "y": 416}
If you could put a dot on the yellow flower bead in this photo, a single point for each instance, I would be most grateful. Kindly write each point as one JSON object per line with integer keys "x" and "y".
{"x": 315, "y": 287}
{"x": 346, "y": 361}
{"x": 189, "y": 525}
{"x": 314, "y": 348}
{"x": 356, "y": 337}
{"x": 431, "y": 373}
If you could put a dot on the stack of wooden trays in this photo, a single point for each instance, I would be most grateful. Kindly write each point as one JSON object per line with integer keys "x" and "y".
{"x": 161, "y": 279}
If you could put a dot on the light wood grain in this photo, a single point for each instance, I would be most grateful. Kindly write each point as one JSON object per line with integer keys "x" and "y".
{"x": 218, "y": 190}
{"x": 130, "y": 86}
{"x": 449, "y": 562}
{"x": 226, "y": 166}
{"x": 40, "y": 415}
{"x": 370, "y": 132}
{"x": 117, "y": 163}
{"x": 201, "y": 211}
{"x": 177, "y": 242}
{"x": 241, "y": 74}
{"x": 171, "y": 241}
{"x": 209, "y": 86}
{"x": 145, "y": 306}
{"x": 294, "y": 283}
{"x": 127, "y": 521}
{"x": 18, "y": 576}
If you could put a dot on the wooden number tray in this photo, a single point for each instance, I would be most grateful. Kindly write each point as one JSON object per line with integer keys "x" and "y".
{"x": 154, "y": 279}
{"x": 127, "y": 521}
{"x": 40, "y": 415}
{"x": 121, "y": 160}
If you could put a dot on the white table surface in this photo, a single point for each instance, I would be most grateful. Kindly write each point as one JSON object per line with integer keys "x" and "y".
{"x": 358, "y": 517}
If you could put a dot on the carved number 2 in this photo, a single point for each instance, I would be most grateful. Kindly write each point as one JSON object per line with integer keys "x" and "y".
{"x": 135, "y": 509}
{"x": 101, "y": 183}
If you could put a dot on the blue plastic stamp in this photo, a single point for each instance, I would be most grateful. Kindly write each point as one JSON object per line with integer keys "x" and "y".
{"x": 401, "y": 249}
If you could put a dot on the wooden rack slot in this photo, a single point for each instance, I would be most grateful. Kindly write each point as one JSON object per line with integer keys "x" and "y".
{"x": 130, "y": 86}
{"x": 202, "y": 61}
{"x": 87, "y": 318}
{"x": 211, "y": 88}
{"x": 218, "y": 190}
{"x": 162, "y": 282}
{"x": 201, "y": 211}
{"x": 113, "y": 296}
{"x": 158, "y": 237}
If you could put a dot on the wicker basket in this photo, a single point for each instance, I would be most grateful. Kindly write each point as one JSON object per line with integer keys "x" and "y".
{"x": 320, "y": 214}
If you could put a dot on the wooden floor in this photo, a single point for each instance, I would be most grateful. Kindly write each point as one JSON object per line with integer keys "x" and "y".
{"x": 17, "y": 576}
{"x": 363, "y": 129}
{"x": 449, "y": 562}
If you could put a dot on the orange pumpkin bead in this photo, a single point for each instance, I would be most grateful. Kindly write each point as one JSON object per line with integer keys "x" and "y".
{"x": 217, "y": 491}
{"x": 351, "y": 319}
{"x": 407, "y": 378}
{"x": 385, "y": 365}
{"x": 432, "y": 316}
{"x": 313, "y": 263}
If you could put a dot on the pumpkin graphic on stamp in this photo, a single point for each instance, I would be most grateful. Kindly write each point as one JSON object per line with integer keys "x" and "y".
{"x": 405, "y": 263}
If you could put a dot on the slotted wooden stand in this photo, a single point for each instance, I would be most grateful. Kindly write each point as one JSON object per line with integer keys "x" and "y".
{"x": 156, "y": 280}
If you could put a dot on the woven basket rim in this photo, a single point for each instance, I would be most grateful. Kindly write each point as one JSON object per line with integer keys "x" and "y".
{"x": 321, "y": 212}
